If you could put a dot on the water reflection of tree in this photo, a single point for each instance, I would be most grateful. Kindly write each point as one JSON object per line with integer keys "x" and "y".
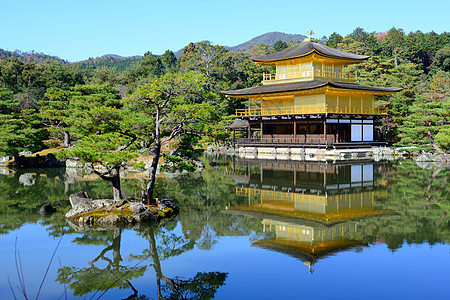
{"x": 162, "y": 246}
{"x": 422, "y": 207}
{"x": 203, "y": 285}
{"x": 203, "y": 200}
{"x": 20, "y": 203}
{"x": 95, "y": 279}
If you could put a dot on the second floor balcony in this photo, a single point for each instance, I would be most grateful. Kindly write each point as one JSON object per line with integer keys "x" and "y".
{"x": 310, "y": 109}
{"x": 327, "y": 74}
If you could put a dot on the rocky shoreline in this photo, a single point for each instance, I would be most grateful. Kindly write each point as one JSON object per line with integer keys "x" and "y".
{"x": 89, "y": 212}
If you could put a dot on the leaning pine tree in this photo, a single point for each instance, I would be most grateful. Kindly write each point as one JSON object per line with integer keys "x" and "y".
{"x": 176, "y": 104}
{"x": 106, "y": 133}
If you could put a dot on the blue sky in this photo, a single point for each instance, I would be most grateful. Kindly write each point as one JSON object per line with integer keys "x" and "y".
{"x": 75, "y": 30}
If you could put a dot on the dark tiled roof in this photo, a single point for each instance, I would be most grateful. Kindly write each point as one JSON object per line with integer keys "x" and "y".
{"x": 306, "y": 85}
{"x": 304, "y": 49}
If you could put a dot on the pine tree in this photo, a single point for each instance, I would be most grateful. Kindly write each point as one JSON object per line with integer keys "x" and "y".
{"x": 19, "y": 129}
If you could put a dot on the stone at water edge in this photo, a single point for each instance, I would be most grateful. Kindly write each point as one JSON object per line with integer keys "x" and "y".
{"x": 138, "y": 207}
{"x": 115, "y": 219}
{"x": 77, "y": 198}
{"x": 164, "y": 203}
{"x": 47, "y": 209}
{"x": 146, "y": 216}
{"x": 81, "y": 203}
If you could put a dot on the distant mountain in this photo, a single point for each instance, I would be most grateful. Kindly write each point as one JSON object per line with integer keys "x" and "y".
{"x": 122, "y": 63}
{"x": 111, "y": 60}
{"x": 269, "y": 38}
{"x": 28, "y": 57}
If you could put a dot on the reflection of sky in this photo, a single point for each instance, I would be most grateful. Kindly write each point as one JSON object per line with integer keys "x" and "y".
{"x": 414, "y": 272}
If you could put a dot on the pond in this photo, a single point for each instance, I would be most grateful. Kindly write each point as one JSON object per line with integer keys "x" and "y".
{"x": 248, "y": 229}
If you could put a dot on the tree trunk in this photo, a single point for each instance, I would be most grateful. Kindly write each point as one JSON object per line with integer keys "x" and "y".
{"x": 117, "y": 258}
{"x": 156, "y": 261}
{"x": 66, "y": 138}
{"x": 115, "y": 180}
{"x": 148, "y": 194}
{"x": 433, "y": 143}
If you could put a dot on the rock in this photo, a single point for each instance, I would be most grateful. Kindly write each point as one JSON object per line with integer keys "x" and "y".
{"x": 424, "y": 164}
{"x": 4, "y": 159}
{"x": 114, "y": 219}
{"x": 120, "y": 203}
{"x": 4, "y": 171}
{"x": 77, "y": 198}
{"x": 89, "y": 220}
{"x": 442, "y": 158}
{"x": 72, "y": 175}
{"x": 74, "y": 162}
{"x": 198, "y": 163}
{"x": 424, "y": 157}
{"x": 47, "y": 209}
{"x": 442, "y": 161}
{"x": 50, "y": 161}
{"x": 138, "y": 207}
{"x": 27, "y": 179}
{"x": 213, "y": 164}
{"x": 164, "y": 203}
{"x": 81, "y": 203}
{"x": 146, "y": 216}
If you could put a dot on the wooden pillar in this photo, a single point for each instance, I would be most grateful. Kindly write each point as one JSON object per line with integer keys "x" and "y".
{"x": 261, "y": 175}
{"x": 295, "y": 176}
{"x": 249, "y": 132}
{"x": 261, "y": 135}
{"x": 295, "y": 129}
{"x": 324, "y": 129}
{"x": 307, "y": 131}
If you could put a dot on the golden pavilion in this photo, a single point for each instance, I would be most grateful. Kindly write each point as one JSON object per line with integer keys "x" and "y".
{"x": 311, "y": 101}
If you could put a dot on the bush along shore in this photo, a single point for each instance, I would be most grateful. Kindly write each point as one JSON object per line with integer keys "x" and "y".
{"x": 89, "y": 212}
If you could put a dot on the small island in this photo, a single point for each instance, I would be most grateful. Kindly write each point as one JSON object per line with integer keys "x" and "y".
{"x": 89, "y": 212}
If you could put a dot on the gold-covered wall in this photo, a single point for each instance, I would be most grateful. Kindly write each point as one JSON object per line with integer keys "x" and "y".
{"x": 309, "y": 68}
{"x": 319, "y": 103}
{"x": 307, "y": 233}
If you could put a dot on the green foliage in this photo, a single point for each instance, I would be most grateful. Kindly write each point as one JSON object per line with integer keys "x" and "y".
{"x": 429, "y": 115}
{"x": 48, "y": 85}
{"x": 19, "y": 128}
{"x": 181, "y": 101}
{"x": 110, "y": 61}
{"x": 279, "y": 46}
{"x": 334, "y": 39}
{"x": 169, "y": 61}
{"x": 441, "y": 61}
{"x": 105, "y": 75}
{"x": 203, "y": 285}
{"x": 29, "y": 57}
{"x": 102, "y": 149}
{"x": 174, "y": 163}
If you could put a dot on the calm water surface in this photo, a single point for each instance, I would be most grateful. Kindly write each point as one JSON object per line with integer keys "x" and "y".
{"x": 247, "y": 229}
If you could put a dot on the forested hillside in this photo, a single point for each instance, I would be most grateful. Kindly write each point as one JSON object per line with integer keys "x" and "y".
{"x": 110, "y": 60}
{"x": 43, "y": 99}
{"x": 28, "y": 57}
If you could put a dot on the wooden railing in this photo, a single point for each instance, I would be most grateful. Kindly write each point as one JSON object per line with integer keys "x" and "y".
{"x": 286, "y": 141}
{"x": 310, "y": 109}
{"x": 309, "y": 73}
{"x": 307, "y": 141}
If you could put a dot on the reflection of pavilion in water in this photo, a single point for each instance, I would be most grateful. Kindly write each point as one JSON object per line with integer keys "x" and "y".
{"x": 309, "y": 209}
